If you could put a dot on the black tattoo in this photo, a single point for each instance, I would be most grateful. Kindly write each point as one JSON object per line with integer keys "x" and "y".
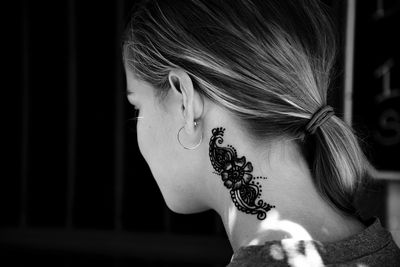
{"x": 236, "y": 175}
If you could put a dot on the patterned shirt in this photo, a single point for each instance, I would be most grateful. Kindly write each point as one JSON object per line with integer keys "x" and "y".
{"x": 374, "y": 246}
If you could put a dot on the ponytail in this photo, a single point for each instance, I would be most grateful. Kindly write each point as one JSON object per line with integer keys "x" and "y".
{"x": 338, "y": 163}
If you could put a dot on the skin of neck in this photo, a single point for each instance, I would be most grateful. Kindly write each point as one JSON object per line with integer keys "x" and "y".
{"x": 300, "y": 212}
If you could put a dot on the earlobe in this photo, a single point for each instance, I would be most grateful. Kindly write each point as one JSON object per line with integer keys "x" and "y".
{"x": 191, "y": 147}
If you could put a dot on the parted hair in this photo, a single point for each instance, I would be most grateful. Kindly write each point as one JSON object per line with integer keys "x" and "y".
{"x": 269, "y": 62}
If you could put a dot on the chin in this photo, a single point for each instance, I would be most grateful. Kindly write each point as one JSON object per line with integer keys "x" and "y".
{"x": 181, "y": 206}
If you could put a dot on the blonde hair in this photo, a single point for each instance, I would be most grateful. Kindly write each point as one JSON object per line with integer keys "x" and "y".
{"x": 268, "y": 62}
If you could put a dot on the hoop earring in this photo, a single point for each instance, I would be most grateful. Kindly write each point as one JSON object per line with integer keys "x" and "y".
{"x": 185, "y": 147}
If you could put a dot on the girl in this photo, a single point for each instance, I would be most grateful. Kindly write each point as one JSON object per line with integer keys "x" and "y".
{"x": 233, "y": 109}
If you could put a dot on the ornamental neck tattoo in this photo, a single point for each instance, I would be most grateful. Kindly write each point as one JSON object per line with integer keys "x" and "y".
{"x": 236, "y": 174}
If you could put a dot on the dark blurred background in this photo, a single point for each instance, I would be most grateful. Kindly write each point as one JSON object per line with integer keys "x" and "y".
{"x": 75, "y": 190}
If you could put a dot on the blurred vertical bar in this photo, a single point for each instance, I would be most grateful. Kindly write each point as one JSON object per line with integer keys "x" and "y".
{"x": 393, "y": 209}
{"x": 72, "y": 112}
{"x": 349, "y": 61}
{"x": 119, "y": 117}
{"x": 219, "y": 227}
{"x": 25, "y": 115}
{"x": 167, "y": 219}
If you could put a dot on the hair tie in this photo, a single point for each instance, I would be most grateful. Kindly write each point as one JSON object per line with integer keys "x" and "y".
{"x": 319, "y": 118}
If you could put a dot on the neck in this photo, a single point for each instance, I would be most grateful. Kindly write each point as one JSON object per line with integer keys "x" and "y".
{"x": 299, "y": 211}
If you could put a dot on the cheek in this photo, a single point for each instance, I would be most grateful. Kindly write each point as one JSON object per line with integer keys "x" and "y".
{"x": 156, "y": 145}
{"x": 147, "y": 140}
{"x": 171, "y": 167}
{"x": 142, "y": 140}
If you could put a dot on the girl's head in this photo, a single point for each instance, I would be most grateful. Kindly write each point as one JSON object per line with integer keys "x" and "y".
{"x": 268, "y": 64}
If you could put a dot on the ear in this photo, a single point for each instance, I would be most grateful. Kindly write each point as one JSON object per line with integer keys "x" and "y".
{"x": 192, "y": 102}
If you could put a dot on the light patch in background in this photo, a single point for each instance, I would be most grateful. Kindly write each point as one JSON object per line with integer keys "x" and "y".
{"x": 393, "y": 210}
